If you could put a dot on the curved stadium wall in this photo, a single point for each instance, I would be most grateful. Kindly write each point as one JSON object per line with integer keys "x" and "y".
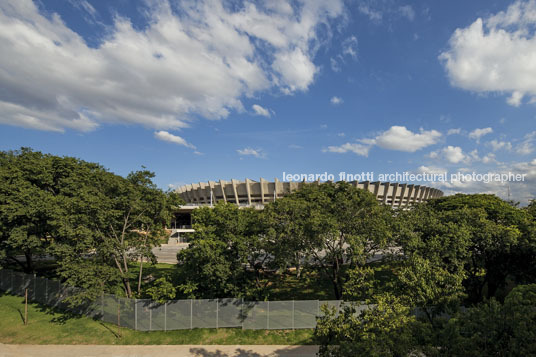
{"x": 257, "y": 193}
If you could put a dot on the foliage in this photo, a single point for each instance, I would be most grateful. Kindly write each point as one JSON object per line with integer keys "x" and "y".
{"x": 226, "y": 250}
{"x": 161, "y": 290}
{"x": 492, "y": 328}
{"x": 384, "y": 329}
{"x": 31, "y": 184}
{"x": 92, "y": 221}
{"x": 480, "y": 235}
{"x": 330, "y": 226}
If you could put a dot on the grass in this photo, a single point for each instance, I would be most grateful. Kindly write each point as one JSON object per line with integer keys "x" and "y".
{"x": 46, "y": 326}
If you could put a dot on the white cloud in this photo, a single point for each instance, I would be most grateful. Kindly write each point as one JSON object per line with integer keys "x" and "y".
{"x": 336, "y": 100}
{"x": 349, "y": 47}
{"x": 453, "y": 154}
{"x": 373, "y": 15}
{"x": 480, "y": 57}
{"x": 395, "y": 138}
{"x": 199, "y": 61}
{"x": 526, "y": 146}
{"x": 335, "y": 65}
{"x": 454, "y": 131}
{"x": 497, "y": 145}
{"x": 401, "y": 139}
{"x": 407, "y": 11}
{"x": 430, "y": 170}
{"x": 349, "y": 50}
{"x": 478, "y": 133}
{"x": 165, "y": 136}
{"x": 260, "y": 110}
{"x": 520, "y": 191}
{"x": 358, "y": 149}
{"x": 258, "y": 153}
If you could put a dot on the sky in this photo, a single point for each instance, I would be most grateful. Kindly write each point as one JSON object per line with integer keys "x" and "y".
{"x": 214, "y": 89}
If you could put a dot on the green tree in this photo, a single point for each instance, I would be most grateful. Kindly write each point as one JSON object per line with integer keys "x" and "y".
{"x": 27, "y": 201}
{"x": 333, "y": 226}
{"x": 115, "y": 224}
{"x": 384, "y": 329}
{"x": 161, "y": 290}
{"x": 226, "y": 255}
{"x": 494, "y": 329}
{"x": 482, "y": 232}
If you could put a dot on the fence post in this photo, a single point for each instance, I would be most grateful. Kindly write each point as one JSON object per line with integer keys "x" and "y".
{"x": 268, "y": 316}
{"x": 293, "y": 314}
{"x": 242, "y": 313}
{"x": 34, "y": 288}
{"x": 102, "y": 306}
{"x": 46, "y": 291}
{"x": 165, "y": 316}
{"x": 217, "y": 312}
{"x": 191, "y": 313}
{"x": 151, "y": 316}
{"x": 136, "y": 314}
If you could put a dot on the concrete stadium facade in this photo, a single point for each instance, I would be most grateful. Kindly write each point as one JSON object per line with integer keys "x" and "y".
{"x": 250, "y": 193}
{"x": 258, "y": 193}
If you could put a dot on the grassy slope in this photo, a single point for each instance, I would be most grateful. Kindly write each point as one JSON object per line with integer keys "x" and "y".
{"x": 50, "y": 327}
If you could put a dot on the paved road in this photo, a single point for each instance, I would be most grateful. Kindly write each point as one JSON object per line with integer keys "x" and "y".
{"x": 157, "y": 351}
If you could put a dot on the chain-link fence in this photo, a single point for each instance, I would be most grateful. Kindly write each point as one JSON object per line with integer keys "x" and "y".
{"x": 147, "y": 315}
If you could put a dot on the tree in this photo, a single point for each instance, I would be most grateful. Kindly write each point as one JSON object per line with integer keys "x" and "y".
{"x": 435, "y": 250}
{"x": 27, "y": 196}
{"x": 385, "y": 329}
{"x": 95, "y": 223}
{"x": 119, "y": 224}
{"x": 483, "y": 233}
{"x": 491, "y": 328}
{"x": 332, "y": 225}
{"x": 227, "y": 246}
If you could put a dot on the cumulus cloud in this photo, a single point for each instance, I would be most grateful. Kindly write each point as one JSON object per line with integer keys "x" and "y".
{"x": 165, "y": 136}
{"x": 453, "y": 154}
{"x": 336, "y": 100}
{"x": 454, "y": 131}
{"x": 258, "y": 153}
{"x": 395, "y": 138}
{"x": 197, "y": 62}
{"x": 401, "y": 139}
{"x": 479, "y": 57}
{"x": 478, "y": 133}
{"x": 258, "y": 110}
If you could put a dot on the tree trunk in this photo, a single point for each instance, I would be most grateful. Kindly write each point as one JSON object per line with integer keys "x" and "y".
{"x": 126, "y": 283}
{"x": 139, "y": 276}
{"x": 29, "y": 262}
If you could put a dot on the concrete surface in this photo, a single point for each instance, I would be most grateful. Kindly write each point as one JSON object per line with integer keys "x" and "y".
{"x": 157, "y": 351}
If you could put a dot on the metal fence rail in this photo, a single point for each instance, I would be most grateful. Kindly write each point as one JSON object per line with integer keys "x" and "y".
{"x": 147, "y": 315}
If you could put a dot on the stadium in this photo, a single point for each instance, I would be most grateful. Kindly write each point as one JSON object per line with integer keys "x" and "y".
{"x": 250, "y": 193}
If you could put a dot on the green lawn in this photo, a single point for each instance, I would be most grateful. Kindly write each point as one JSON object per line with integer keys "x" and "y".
{"x": 51, "y": 327}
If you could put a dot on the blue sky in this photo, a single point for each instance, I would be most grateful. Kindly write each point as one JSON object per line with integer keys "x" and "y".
{"x": 213, "y": 89}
